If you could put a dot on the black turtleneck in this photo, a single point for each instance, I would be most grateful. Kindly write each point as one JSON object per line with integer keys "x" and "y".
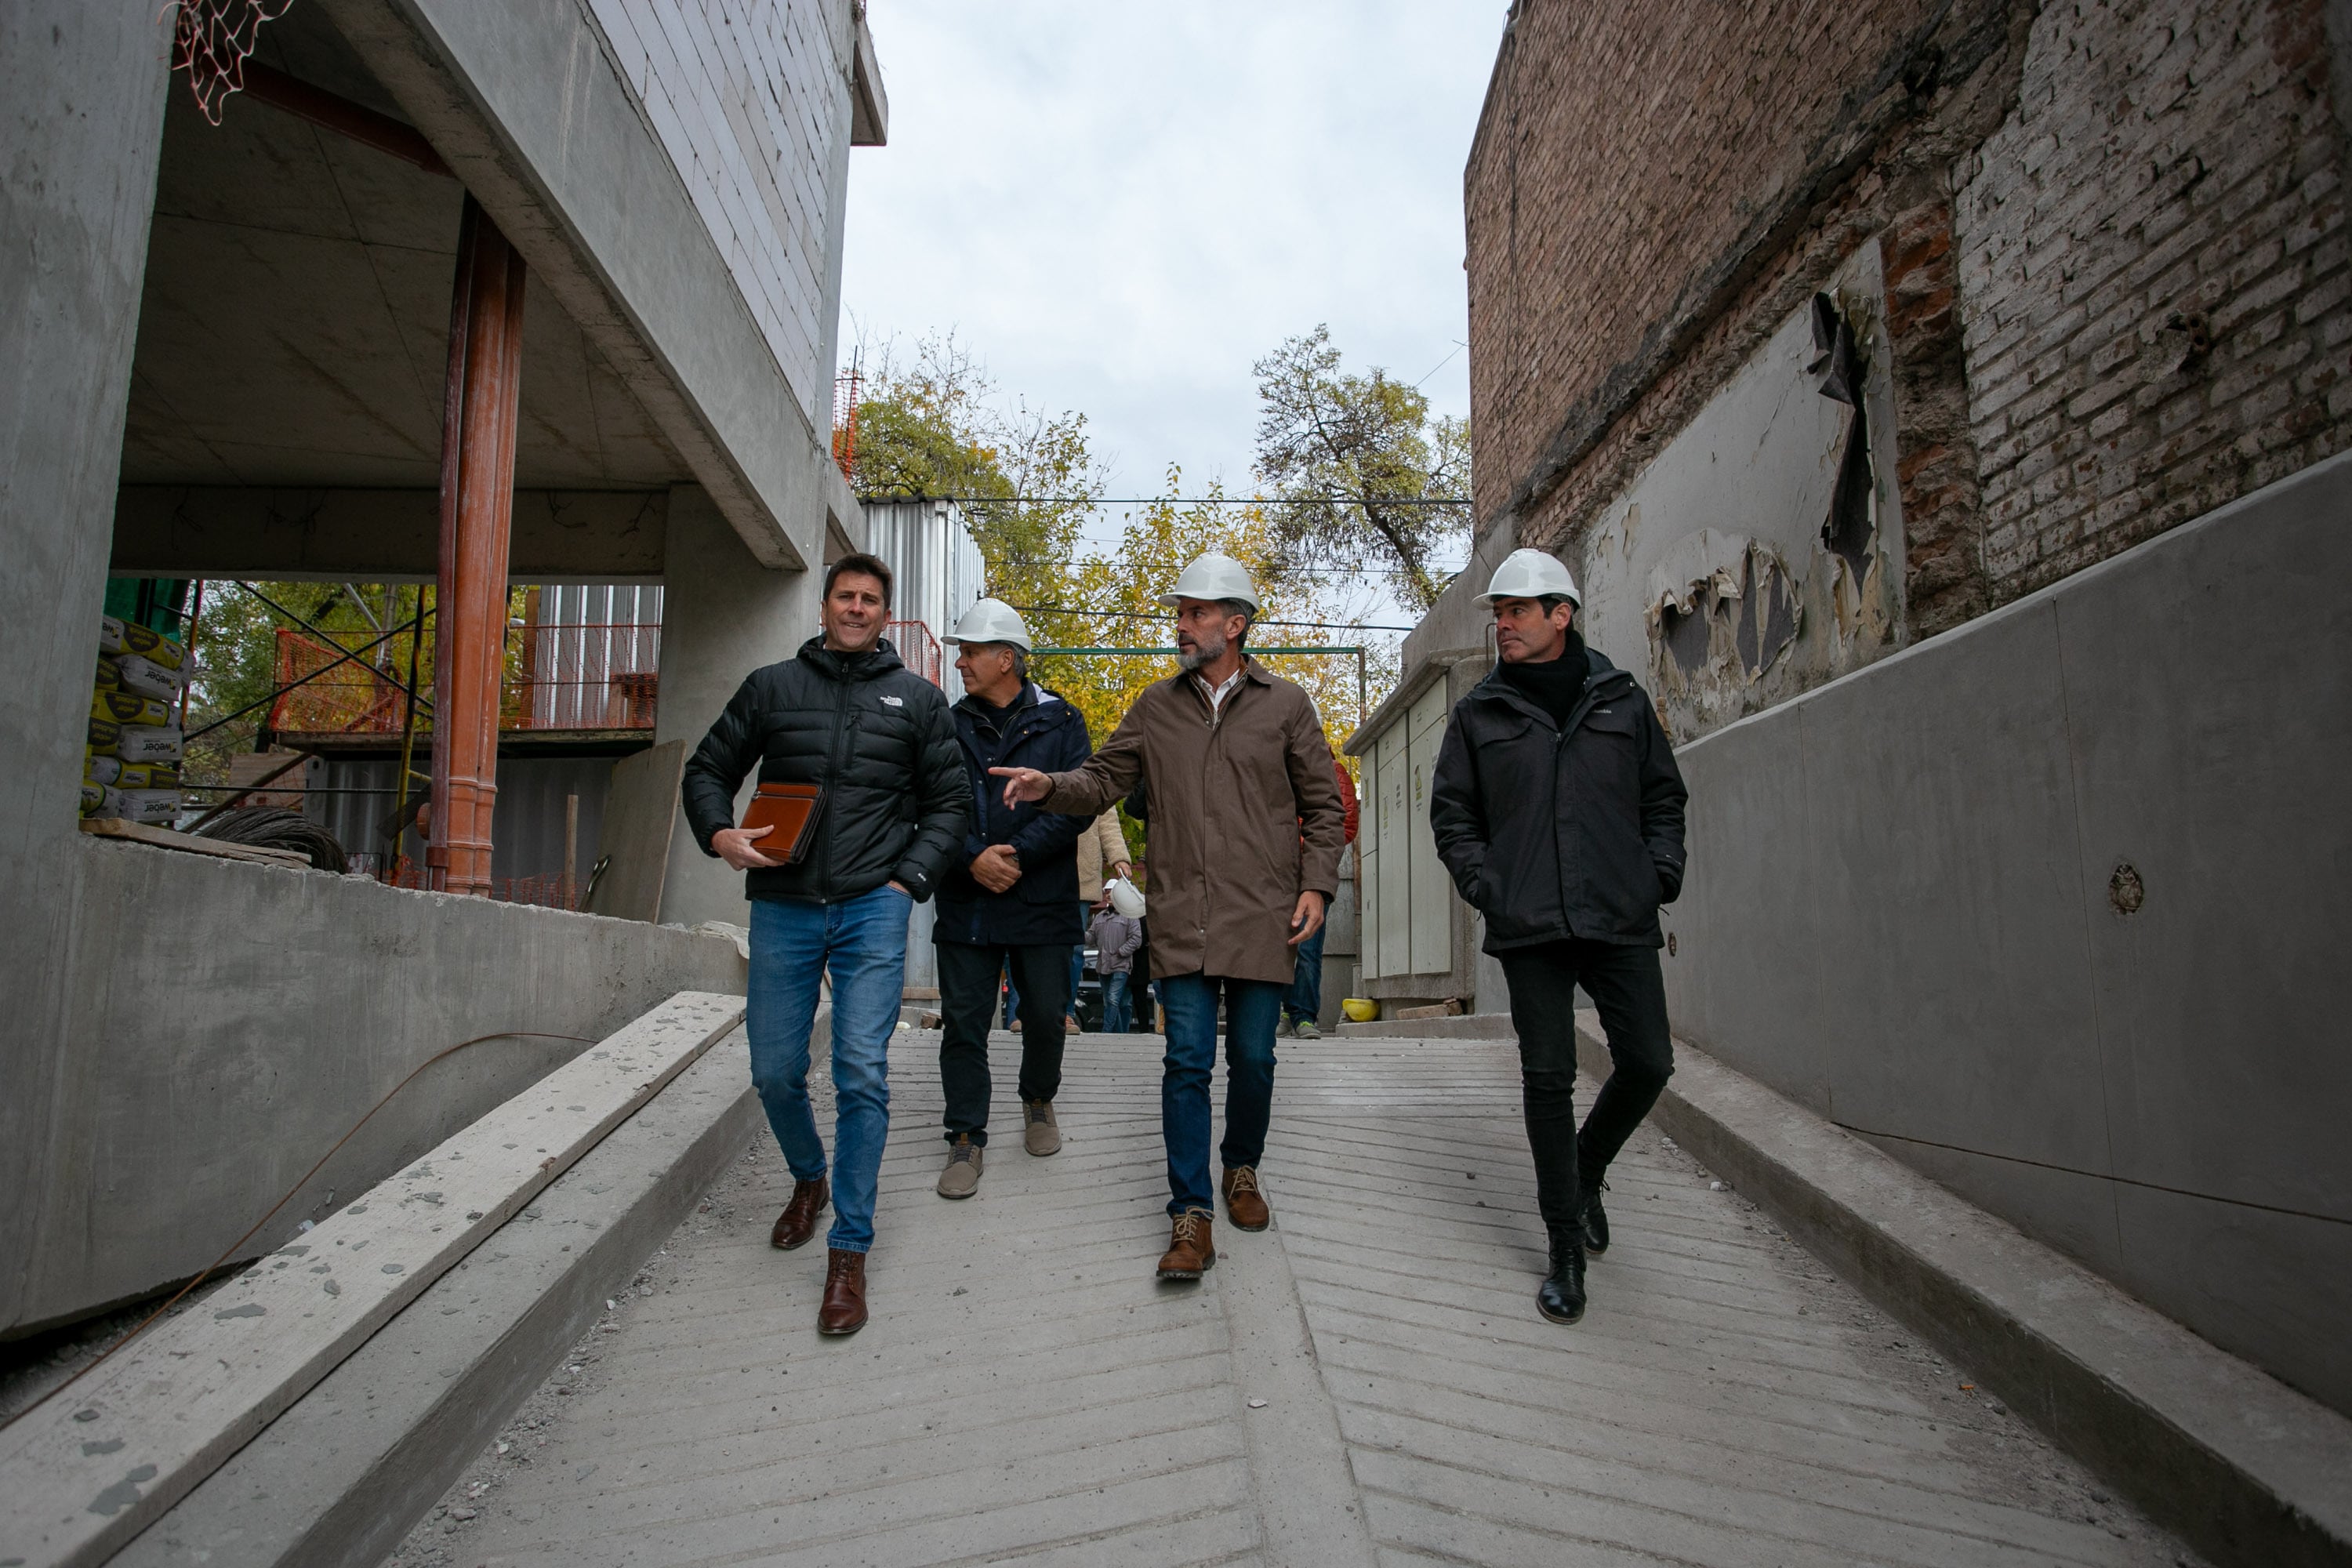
{"x": 1556, "y": 685}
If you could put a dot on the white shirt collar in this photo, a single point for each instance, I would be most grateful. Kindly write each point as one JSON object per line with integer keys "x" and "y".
{"x": 1218, "y": 694}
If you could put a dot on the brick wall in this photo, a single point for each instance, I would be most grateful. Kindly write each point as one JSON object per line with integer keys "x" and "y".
{"x": 2152, "y": 276}
{"x": 1631, "y": 164}
{"x": 750, "y": 98}
{"x": 2111, "y": 237}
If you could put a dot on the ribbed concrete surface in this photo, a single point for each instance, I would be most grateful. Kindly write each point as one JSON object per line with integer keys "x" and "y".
{"x": 1028, "y": 1392}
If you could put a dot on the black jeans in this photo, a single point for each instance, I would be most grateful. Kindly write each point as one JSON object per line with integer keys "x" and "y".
{"x": 1625, "y": 984}
{"x": 968, "y": 977}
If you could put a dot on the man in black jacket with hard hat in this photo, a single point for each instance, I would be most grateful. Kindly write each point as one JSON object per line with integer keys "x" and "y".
{"x": 1558, "y": 808}
{"x": 1012, "y": 897}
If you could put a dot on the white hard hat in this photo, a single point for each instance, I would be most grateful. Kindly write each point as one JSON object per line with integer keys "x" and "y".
{"x": 1531, "y": 575}
{"x": 1214, "y": 577}
{"x": 1127, "y": 899}
{"x": 991, "y": 620}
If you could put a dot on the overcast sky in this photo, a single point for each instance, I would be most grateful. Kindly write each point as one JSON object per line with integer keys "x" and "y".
{"x": 1120, "y": 207}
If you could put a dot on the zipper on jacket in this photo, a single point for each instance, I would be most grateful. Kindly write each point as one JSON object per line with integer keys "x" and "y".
{"x": 833, "y": 779}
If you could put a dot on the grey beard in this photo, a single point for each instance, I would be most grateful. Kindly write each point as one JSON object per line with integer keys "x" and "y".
{"x": 1207, "y": 653}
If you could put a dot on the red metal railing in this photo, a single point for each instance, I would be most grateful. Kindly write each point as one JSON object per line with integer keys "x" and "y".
{"x": 558, "y": 677}
{"x": 918, "y": 648}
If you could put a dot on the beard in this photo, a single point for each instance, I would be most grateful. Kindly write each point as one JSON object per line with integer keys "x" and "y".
{"x": 1205, "y": 650}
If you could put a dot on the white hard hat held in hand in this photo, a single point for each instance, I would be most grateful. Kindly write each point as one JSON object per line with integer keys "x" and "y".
{"x": 1214, "y": 577}
{"x": 1127, "y": 899}
{"x": 991, "y": 620}
{"x": 1531, "y": 575}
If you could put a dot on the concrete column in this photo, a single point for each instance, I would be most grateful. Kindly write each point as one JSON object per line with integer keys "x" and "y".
{"x": 81, "y": 127}
{"x": 723, "y": 615}
{"x": 477, "y": 461}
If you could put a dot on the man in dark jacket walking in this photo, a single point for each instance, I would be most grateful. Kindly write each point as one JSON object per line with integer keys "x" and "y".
{"x": 873, "y": 738}
{"x": 1558, "y": 808}
{"x": 1011, "y": 898}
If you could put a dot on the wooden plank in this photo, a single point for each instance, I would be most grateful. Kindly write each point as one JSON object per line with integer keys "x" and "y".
{"x": 83, "y": 1473}
{"x": 166, "y": 838}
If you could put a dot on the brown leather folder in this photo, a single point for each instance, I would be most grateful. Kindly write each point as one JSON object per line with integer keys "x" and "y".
{"x": 791, "y": 809}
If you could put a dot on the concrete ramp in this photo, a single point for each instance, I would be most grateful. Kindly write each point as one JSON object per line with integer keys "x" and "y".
{"x": 83, "y": 1473}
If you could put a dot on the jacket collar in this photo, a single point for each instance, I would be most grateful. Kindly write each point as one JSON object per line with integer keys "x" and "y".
{"x": 1031, "y": 696}
{"x": 1603, "y": 680}
{"x": 883, "y": 660}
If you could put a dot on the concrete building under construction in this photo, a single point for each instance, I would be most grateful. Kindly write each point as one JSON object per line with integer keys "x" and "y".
{"x": 389, "y": 291}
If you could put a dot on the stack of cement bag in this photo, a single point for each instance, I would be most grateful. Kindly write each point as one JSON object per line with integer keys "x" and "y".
{"x": 132, "y": 766}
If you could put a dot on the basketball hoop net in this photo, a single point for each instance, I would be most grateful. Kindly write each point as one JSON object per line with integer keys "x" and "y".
{"x": 210, "y": 41}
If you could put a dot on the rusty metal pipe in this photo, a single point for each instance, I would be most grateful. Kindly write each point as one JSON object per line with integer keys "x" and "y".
{"x": 479, "y": 428}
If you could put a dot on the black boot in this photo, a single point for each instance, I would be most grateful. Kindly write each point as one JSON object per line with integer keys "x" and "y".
{"x": 1560, "y": 1296}
{"x": 1594, "y": 1218}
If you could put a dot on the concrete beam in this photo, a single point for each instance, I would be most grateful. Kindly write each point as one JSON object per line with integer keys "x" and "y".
{"x": 523, "y": 102}
{"x": 81, "y": 100}
{"x": 377, "y": 536}
{"x": 722, "y": 617}
{"x": 869, "y": 106}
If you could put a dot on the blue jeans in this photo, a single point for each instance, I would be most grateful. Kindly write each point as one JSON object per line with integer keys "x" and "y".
{"x": 1305, "y": 997}
{"x": 863, "y": 942}
{"x": 1189, "y": 1004}
{"x": 1117, "y": 1017}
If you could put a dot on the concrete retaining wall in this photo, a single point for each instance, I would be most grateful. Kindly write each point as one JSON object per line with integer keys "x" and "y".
{"x": 224, "y": 1023}
{"x": 1907, "y": 908}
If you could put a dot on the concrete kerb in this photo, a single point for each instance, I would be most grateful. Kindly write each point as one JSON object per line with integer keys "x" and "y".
{"x": 2244, "y": 1468}
{"x": 342, "y": 1476}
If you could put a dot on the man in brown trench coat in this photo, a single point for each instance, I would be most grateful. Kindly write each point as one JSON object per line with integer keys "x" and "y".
{"x": 1246, "y": 829}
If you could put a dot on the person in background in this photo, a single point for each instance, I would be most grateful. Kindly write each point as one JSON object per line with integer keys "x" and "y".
{"x": 1558, "y": 809}
{"x": 1010, "y": 900}
{"x": 1102, "y": 856}
{"x": 1303, "y": 1001}
{"x": 844, "y": 715}
{"x": 1116, "y": 939}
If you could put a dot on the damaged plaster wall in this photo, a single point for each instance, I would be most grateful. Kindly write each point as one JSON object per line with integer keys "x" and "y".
{"x": 1759, "y": 554}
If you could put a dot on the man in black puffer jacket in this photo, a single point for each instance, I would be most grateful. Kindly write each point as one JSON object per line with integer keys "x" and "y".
{"x": 1558, "y": 808}
{"x": 1012, "y": 896}
{"x": 875, "y": 737}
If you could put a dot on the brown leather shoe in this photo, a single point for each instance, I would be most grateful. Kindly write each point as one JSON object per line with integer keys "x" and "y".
{"x": 1190, "y": 1253}
{"x": 844, "y": 1311}
{"x": 1244, "y": 1203}
{"x": 798, "y": 1222}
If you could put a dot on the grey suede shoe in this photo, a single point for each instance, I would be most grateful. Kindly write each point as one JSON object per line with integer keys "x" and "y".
{"x": 961, "y": 1178}
{"x": 1043, "y": 1135}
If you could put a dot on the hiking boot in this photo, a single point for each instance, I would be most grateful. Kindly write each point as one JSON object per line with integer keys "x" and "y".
{"x": 1190, "y": 1253}
{"x": 961, "y": 1178}
{"x": 1307, "y": 1029}
{"x": 798, "y": 1222}
{"x": 1043, "y": 1135}
{"x": 1284, "y": 1028}
{"x": 1245, "y": 1203}
{"x": 1594, "y": 1219}
{"x": 844, "y": 1311}
{"x": 1560, "y": 1296}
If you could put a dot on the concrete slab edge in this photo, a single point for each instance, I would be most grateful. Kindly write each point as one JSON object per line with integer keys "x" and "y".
{"x": 343, "y": 1475}
{"x": 2246, "y": 1469}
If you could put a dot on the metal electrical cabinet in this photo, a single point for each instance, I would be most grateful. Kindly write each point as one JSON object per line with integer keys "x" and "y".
{"x": 1432, "y": 896}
